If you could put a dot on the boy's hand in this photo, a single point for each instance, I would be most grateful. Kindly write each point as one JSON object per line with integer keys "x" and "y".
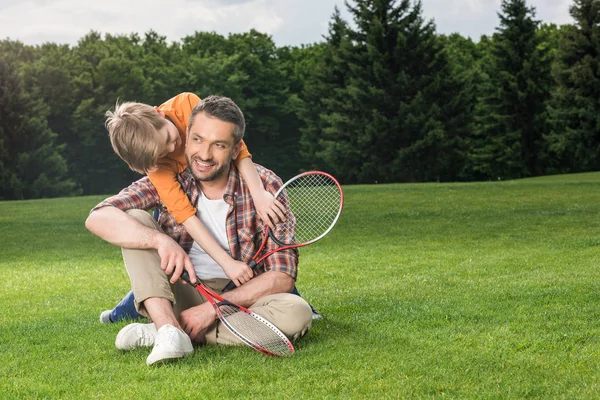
{"x": 269, "y": 209}
{"x": 238, "y": 272}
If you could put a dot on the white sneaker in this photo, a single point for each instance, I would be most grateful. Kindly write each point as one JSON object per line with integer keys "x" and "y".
{"x": 136, "y": 335}
{"x": 170, "y": 343}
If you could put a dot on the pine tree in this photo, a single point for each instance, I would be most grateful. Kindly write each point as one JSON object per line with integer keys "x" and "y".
{"x": 464, "y": 56}
{"x": 511, "y": 115}
{"x": 575, "y": 110}
{"x": 390, "y": 104}
{"x": 322, "y": 110}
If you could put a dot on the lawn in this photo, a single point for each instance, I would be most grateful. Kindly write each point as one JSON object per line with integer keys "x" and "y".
{"x": 461, "y": 290}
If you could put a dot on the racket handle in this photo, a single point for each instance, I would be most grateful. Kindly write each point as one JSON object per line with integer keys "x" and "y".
{"x": 229, "y": 286}
{"x": 252, "y": 264}
{"x": 186, "y": 277}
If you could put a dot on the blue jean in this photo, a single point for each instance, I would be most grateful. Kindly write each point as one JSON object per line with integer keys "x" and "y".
{"x": 126, "y": 308}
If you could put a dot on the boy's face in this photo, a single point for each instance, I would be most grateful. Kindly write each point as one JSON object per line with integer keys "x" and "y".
{"x": 168, "y": 138}
{"x": 210, "y": 149}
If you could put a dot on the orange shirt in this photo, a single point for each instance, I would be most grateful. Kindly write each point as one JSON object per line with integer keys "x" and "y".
{"x": 178, "y": 110}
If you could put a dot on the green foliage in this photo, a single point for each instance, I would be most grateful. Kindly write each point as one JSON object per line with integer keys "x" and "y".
{"x": 427, "y": 292}
{"x": 575, "y": 112}
{"x": 390, "y": 109}
{"x": 516, "y": 85}
{"x": 81, "y": 83}
{"x": 248, "y": 68}
{"x": 105, "y": 70}
{"x": 31, "y": 165}
{"x": 325, "y": 79}
{"x": 383, "y": 98}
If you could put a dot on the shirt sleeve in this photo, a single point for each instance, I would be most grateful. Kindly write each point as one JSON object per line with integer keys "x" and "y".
{"x": 140, "y": 195}
{"x": 285, "y": 261}
{"x": 244, "y": 153}
{"x": 179, "y": 108}
{"x": 169, "y": 190}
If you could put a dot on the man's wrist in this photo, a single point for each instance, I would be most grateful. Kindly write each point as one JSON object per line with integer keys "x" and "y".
{"x": 212, "y": 311}
{"x": 208, "y": 308}
{"x": 156, "y": 239}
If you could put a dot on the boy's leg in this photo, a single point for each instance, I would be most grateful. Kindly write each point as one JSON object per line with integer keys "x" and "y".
{"x": 315, "y": 314}
{"x": 125, "y": 309}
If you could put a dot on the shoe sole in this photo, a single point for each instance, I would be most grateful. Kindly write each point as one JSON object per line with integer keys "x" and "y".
{"x": 168, "y": 359}
{"x": 124, "y": 332}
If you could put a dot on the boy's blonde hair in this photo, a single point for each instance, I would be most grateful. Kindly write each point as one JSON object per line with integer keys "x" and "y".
{"x": 133, "y": 132}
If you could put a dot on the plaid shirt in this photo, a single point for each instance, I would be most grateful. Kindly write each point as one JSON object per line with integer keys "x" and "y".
{"x": 245, "y": 231}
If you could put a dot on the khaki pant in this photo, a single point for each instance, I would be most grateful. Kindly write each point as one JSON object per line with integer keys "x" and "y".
{"x": 288, "y": 312}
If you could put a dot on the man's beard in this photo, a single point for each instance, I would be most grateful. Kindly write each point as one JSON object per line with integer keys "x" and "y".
{"x": 217, "y": 173}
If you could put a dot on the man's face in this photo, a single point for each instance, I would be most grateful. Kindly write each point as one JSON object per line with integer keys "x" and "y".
{"x": 210, "y": 149}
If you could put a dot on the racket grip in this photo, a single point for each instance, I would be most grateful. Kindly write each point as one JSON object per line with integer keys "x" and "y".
{"x": 252, "y": 264}
{"x": 229, "y": 286}
{"x": 186, "y": 277}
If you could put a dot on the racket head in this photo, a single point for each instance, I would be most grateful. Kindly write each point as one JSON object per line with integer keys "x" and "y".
{"x": 314, "y": 201}
{"x": 252, "y": 329}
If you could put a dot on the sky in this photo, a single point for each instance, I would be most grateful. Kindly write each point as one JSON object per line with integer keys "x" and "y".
{"x": 289, "y": 22}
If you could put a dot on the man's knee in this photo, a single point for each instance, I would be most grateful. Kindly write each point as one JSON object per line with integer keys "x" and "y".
{"x": 290, "y": 313}
{"x": 143, "y": 217}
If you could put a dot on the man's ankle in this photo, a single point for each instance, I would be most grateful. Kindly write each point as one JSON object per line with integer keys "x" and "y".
{"x": 160, "y": 311}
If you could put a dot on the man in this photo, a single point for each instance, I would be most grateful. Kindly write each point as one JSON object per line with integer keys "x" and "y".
{"x": 155, "y": 260}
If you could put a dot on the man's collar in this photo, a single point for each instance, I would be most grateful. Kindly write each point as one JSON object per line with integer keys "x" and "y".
{"x": 232, "y": 183}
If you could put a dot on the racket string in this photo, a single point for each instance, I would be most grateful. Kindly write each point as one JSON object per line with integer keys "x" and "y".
{"x": 313, "y": 202}
{"x": 255, "y": 331}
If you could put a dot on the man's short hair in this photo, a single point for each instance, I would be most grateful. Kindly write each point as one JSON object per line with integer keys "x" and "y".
{"x": 133, "y": 132}
{"x": 224, "y": 109}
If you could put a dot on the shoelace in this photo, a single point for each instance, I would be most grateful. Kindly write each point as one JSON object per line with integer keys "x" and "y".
{"x": 165, "y": 336}
{"x": 145, "y": 338}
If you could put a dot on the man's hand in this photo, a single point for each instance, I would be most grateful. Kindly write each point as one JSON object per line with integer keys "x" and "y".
{"x": 195, "y": 321}
{"x": 238, "y": 271}
{"x": 269, "y": 209}
{"x": 173, "y": 259}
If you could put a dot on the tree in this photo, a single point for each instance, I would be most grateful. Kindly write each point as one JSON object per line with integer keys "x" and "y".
{"x": 104, "y": 71}
{"x": 296, "y": 64}
{"x": 390, "y": 106}
{"x": 163, "y": 68}
{"x": 322, "y": 108}
{"x": 511, "y": 114}
{"x": 464, "y": 57}
{"x": 575, "y": 111}
{"x": 247, "y": 68}
{"x": 31, "y": 165}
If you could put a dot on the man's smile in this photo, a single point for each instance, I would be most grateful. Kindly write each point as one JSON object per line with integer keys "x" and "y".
{"x": 203, "y": 165}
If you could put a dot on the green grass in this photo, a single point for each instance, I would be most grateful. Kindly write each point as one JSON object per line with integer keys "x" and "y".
{"x": 466, "y": 290}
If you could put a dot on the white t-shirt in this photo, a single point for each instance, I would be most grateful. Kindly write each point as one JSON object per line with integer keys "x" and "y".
{"x": 213, "y": 214}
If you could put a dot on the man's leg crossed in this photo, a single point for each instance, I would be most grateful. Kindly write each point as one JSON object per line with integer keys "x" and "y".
{"x": 291, "y": 314}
